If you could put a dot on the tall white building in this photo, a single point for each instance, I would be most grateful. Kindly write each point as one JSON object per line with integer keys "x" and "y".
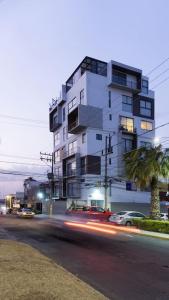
{"x": 100, "y": 99}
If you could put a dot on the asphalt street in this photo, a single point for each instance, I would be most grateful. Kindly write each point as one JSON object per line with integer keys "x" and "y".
{"x": 121, "y": 266}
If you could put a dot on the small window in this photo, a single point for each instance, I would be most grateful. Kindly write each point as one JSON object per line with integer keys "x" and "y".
{"x": 127, "y": 103}
{"x": 98, "y": 137}
{"x": 56, "y": 138}
{"x": 110, "y": 117}
{"x": 64, "y": 114}
{"x": 81, "y": 96}
{"x": 145, "y": 86}
{"x": 83, "y": 138}
{"x": 109, "y": 161}
{"x": 147, "y": 126}
{"x": 64, "y": 133}
{"x": 109, "y": 99}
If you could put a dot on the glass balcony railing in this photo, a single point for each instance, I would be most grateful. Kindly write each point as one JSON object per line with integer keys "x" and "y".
{"x": 123, "y": 81}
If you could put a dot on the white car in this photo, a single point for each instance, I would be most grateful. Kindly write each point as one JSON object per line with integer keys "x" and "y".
{"x": 164, "y": 216}
{"x": 25, "y": 212}
{"x": 125, "y": 217}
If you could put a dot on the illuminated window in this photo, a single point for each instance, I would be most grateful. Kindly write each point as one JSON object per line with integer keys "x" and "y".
{"x": 147, "y": 126}
{"x": 127, "y": 124}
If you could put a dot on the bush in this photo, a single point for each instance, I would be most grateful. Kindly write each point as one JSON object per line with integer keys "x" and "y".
{"x": 152, "y": 225}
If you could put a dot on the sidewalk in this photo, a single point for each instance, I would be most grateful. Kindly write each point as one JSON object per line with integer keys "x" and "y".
{"x": 154, "y": 234}
{"x": 27, "y": 274}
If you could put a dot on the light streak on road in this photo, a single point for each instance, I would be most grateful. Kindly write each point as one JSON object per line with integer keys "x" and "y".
{"x": 121, "y": 228}
{"x": 79, "y": 225}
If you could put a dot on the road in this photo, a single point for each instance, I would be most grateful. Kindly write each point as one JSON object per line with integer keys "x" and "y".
{"x": 121, "y": 266}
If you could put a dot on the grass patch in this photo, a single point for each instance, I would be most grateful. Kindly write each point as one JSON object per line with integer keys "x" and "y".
{"x": 27, "y": 274}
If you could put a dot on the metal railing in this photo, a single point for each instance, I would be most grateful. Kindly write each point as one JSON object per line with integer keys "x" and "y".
{"x": 127, "y": 128}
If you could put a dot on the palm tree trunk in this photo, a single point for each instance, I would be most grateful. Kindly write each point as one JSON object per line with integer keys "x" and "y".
{"x": 155, "y": 201}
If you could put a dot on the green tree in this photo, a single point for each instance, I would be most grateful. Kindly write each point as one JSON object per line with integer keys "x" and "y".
{"x": 145, "y": 166}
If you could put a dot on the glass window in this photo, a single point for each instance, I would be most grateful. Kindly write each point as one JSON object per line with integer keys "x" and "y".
{"x": 81, "y": 96}
{"x": 109, "y": 99}
{"x": 145, "y": 108}
{"x": 72, "y": 147}
{"x": 83, "y": 138}
{"x": 98, "y": 137}
{"x": 119, "y": 77}
{"x": 127, "y": 145}
{"x": 56, "y": 138}
{"x": 127, "y": 103}
{"x": 64, "y": 115}
{"x": 110, "y": 117}
{"x": 64, "y": 133}
{"x": 145, "y": 144}
{"x": 145, "y": 86}
{"x": 109, "y": 161}
{"x": 57, "y": 156}
{"x": 83, "y": 165}
{"x": 127, "y": 124}
{"x": 71, "y": 168}
{"x": 72, "y": 103}
{"x": 145, "y": 125}
{"x": 73, "y": 189}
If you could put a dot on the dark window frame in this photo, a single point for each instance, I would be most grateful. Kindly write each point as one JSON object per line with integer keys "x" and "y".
{"x": 99, "y": 137}
{"x": 127, "y": 103}
{"x": 145, "y": 86}
{"x": 144, "y": 106}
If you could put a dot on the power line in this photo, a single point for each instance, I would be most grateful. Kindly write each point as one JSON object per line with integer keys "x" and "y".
{"x": 155, "y": 68}
{"x": 23, "y": 119}
{"x": 22, "y": 163}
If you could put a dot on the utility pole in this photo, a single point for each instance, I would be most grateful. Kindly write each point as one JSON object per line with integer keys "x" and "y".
{"x": 105, "y": 177}
{"x": 108, "y": 150}
{"x": 48, "y": 157}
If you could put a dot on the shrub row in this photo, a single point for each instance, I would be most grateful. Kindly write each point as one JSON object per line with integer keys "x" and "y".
{"x": 152, "y": 225}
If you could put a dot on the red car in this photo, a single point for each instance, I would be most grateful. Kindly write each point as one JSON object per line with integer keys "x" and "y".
{"x": 91, "y": 212}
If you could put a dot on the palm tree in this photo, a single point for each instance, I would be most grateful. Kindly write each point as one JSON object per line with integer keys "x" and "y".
{"x": 144, "y": 166}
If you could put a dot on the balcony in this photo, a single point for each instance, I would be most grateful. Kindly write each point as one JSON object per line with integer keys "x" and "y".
{"x": 127, "y": 129}
{"x": 70, "y": 152}
{"x": 55, "y": 126}
{"x": 84, "y": 116}
{"x": 125, "y": 77}
{"x": 129, "y": 85}
{"x": 71, "y": 173}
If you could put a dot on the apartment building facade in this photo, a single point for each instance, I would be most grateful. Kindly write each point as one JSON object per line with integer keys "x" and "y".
{"x": 100, "y": 99}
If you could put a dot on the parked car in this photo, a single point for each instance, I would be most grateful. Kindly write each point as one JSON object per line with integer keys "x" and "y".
{"x": 94, "y": 212}
{"x": 164, "y": 216}
{"x": 125, "y": 217}
{"x": 25, "y": 212}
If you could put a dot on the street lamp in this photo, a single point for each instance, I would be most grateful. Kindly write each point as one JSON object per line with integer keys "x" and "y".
{"x": 156, "y": 141}
{"x": 40, "y": 195}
